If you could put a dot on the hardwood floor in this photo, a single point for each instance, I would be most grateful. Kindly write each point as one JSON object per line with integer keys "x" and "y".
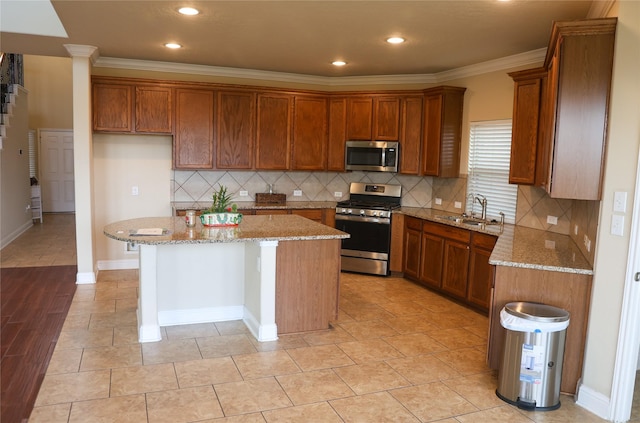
{"x": 35, "y": 302}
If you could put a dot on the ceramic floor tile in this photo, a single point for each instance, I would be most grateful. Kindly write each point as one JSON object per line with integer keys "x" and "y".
{"x": 320, "y": 412}
{"x": 220, "y": 346}
{"x": 329, "y": 336}
{"x": 316, "y": 386}
{"x": 320, "y": 357}
{"x": 402, "y": 308}
{"x": 71, "y": 387}
{"x": 569, "y": 411}
{"x": 366, "y": 312}
{"x": 456, "y": 338}
{"x": 251, "y": 396}
{"x": 378, "y": 407}
{"x": 142, "y": 379}
{"x": 415, "y": 344}
{"x": 433, "y": 401}
{"x": 123, "y": 335}
{"x": 499, "y": 414}
{"x": 199, "y": 330}
{"x": 83, "y": 307}
{"x": 232, "y": 327}
{"x": 58, "y": 413}
{"x": 369, "y": 329}
{"x": 112, "y": 320}
{"x": 126, "y": 304}
{"x": 478, "y": 389}
{"x": 183, "y": 405}
{"x": 111, "y": 357}
{"x": 85, "y": 338}
{"x": 116, "y": 293}
{"x": 130, "y": 409}
{"x": 244, "y": 418}
{"x": 423, "y": 369}
{"x": 466, "y": 360}
{"x": 414, "y": 323}
{"x": 372, "y": 350}
{"x": 209, "y": 371}
{"x": 65, "y": 361}
{"x": 371, "y": 377}
{"x": 263, "y": 364}
{"x": 283, "y": 342}
{"x": 77, "y": 321}
{"x": 167, "y": 351}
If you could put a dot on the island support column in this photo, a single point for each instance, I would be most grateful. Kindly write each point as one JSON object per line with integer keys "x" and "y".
{"x": 148, "y": 325}
{"x": 260, "y": 290}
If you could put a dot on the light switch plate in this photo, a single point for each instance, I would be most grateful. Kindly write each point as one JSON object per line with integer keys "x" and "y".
{"x": 457, "y": 205}
{"x": 244, "y": 193}
{"x": 438, "y": 201}
{"x": 337, "y": 194}
{"x": 617, "y": 225}
{"x": 552, "y": 220}
{"x": 297, "y": 193}
{"x": 620, "y": 201}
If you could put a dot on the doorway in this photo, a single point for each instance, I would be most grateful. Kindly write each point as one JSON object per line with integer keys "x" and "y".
{"x": 56, "y": 170}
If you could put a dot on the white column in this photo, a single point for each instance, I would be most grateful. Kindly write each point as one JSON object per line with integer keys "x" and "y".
{"x": 83, "y": 160}
{"x": 148, "y": 325}
{"x": 268, "y": 331}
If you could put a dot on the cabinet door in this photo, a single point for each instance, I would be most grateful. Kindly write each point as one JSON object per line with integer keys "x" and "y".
{"x": 193, "y": 144}
{"x": 312, "y": 214}
{"x": 235, "y": 129}
{"x": 386, "y": 119}
{"x": 337, "y": 134}
{"x": 525, "y": 131}
{"x": 309, "y": 133}
{"x": 481, "y": 273}
{"x": 432, "y": 135}
{"x": 273, "y": 139}
{"x": 359, "y": 118}
{"x": 411, "y": 135}
{"x": 112, "y": 108}
{"x": 431, "y": 260}
{"x": 154, "y": 109}
{"x": 412, "y": 239}
{"x": 456, "y": 268}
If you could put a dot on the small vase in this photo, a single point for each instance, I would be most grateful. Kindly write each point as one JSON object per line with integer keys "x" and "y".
{"x": 221, "y": 219}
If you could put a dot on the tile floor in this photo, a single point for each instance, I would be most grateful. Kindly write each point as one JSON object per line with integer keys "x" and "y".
{"x": 397, "y": 353}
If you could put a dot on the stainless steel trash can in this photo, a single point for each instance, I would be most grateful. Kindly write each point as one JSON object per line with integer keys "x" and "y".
{"x": 531, "y": 367}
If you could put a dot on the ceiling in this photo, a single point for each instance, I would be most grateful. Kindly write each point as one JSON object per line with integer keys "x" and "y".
{"x": 299, "y": 37}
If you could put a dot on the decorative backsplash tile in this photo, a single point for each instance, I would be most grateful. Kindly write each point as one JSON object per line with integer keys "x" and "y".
{"x": 534, "y": 205}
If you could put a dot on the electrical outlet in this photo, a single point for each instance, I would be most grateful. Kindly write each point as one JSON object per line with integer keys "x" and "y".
{"x": 244, "y": 193}
{"x": 134, "y": 190}
{"x": 457, "y": 205}
{"x": 337, "y": 194}
{"x": 620, "y": 201}
{"x": 297, "y": 193}
{"x": 552, "y": 220}
{"x": 617, "y": 225}
{"x": 438, "y": 201}
{"x": 588, "y": 245}
{"x": 575, "y": 229}
{"x": 131, "y": 247}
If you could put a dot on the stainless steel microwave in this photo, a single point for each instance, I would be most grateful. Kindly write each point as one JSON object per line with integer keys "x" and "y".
{"x": 379, "y": 156}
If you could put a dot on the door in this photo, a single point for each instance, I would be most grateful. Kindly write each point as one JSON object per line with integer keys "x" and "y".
{"x": 56, "y": 171}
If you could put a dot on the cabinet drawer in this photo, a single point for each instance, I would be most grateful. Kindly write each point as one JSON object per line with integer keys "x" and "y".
{"x": 312, "y": 214}
{"x": 449, "y": 232}
{"x": 413, "y": 223}
{"x": 484, "y": 241}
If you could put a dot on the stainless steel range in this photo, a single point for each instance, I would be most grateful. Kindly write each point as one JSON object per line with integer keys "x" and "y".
{"x": 366, "y": 216}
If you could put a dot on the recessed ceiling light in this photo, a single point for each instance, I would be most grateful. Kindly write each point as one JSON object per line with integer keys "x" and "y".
{"x": 173, "y": 45}
{"x": 188, "y": 11}
{"x": 338, "y": 63}
{"x": 395, "y": 40}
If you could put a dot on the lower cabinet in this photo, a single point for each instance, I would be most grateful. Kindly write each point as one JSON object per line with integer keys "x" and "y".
{"x": 450, "y": 260}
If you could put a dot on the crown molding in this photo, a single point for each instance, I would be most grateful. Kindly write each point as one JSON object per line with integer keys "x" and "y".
{"x": 531, "y": 58}
{"x": 79, "y": 50}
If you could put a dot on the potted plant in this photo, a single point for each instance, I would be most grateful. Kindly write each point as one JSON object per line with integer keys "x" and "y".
{"x": 222, "y": 212}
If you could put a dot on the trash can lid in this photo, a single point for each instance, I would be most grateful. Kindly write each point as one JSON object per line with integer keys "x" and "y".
{"x": 537, "y": 312}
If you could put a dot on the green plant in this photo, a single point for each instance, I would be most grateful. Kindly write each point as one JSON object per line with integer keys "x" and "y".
{"x": 222, "y": 202}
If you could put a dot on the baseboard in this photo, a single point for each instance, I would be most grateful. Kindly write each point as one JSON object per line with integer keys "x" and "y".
{"x": 15, "y": 234}
{"x": 594, "y": 402}
{"x": 118, "y": 264}
{"x": 201, "y": 315}
{"x": 85, "y": 278}
{"x": 261, "y": 332}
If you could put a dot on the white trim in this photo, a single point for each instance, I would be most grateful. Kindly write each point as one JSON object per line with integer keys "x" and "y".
{"x": 85, "y": 278}
{"x": 79, "y": 50}
{"x": 118, "y": 264}
{"x": 200, "y": 315}
{"x": 628, "y": 336}
{"x": 15, "y": 234}
{"x": 530, "y": 58}
{"x": 593, "y": 401}
{"x": 264, "y": 332}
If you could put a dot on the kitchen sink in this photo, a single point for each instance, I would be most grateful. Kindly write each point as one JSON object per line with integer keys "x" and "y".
{"x": 468, "y": 220}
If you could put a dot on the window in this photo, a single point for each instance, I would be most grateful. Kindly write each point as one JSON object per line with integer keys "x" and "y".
{"x": 489, "y": 156}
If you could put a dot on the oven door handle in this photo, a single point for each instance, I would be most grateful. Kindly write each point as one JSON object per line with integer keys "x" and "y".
{"x": 380, "y": 220}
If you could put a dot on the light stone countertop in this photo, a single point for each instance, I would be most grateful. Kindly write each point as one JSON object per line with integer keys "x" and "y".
{"x": 251, "y": 229}
{"x": 251, "y": 205}
{"x": 518, "y": 246}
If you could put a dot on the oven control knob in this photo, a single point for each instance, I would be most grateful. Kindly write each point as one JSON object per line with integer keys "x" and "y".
{"x": 349, "y": 211}
{"x": 362, "y": 212}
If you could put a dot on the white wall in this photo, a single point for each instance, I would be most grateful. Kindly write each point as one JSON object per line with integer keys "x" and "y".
{"x": 121, "y": 162}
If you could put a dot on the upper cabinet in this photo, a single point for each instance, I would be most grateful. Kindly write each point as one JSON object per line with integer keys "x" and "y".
{"x": 337, "y": 134}
{"x": 112, "y": 107}
{"x": 373, "y": 118}
{"x": 411, "y": 134}
{"x": 310, "y": 125}
{"x": 235, "y": 129}
{"x": 573, "y": 104}
{"x": 193, "y": 143}
{"x": 359, "y": 118}
{"x": 154, "y": 110}
{"x": 273, "y": 138}
{"x": 442, "y": 131}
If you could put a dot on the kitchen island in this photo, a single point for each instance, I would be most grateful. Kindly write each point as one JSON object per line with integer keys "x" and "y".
{"x": 277, "y": 273}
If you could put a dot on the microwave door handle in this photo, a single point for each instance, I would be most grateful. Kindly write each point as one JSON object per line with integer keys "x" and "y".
{"x": 384, "y": 157}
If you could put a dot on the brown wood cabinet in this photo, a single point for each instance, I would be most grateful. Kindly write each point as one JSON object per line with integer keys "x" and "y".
{"x": 337, "y": 134}
{"x": 559, "y": 138}
{"x": 310, "y": 133}
{"x": 431, "y": 255}
{"x": 273, "y": 139}
{"x": 397, "y": 242}
{"x": 569, "y": 291}
{"x": 411, "y": 135}
{"x": 235, "y": 129}
{"x": 442, "y": 131}
{"x": 154, "y": 109}
{"x": 359, "y": 118}
{"x": 193, "y": 142}
{"x": 112, "y": 107}
{"x": 386, "y": 118}
{"x": 412, "y": 247}
{"x": 481, "y": 273}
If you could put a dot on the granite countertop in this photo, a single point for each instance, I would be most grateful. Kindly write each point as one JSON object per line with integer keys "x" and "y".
{"x": 252, "y": 228}
{"x": 518, "y": 246}
{"x": 251, "y": 205}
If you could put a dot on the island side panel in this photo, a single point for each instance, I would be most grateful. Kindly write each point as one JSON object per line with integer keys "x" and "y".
{"x": 307, "y": 284}
{"x": 148, "y": 326}
{"x": 569, "y": 291}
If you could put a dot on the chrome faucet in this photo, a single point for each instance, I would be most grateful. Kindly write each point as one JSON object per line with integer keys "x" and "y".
{"x": 469, "y": 196}
{"x": 483, "y": 203}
